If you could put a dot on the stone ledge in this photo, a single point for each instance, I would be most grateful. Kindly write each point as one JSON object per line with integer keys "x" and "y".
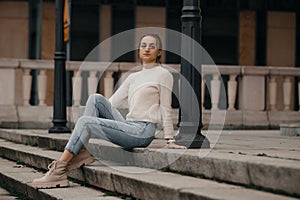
{"x": 8, "y": 113}
{"x": 222, "y": 117}
{"x": 40, "y": 117}
{"x": 290, "y": 129}
{"x": 35, "y": 113}
{"x": 255, "y": 118}
{"x": 9, "y": 63}
{"x": 283, "y": 117}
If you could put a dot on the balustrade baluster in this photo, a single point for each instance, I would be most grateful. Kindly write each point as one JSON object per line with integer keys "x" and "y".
{"x": 203, "y": 91}
{"x": 108, "y": 84}
{"x": 42, "y": 87}
{"x": 215, "y": 91}
{"x": 287, "y": 88}
{"x": 272, "y": 92}
{"x": 92, "y": 82}
{"x": 27, "y": 81}
{"x": 77, "y": 87}
{"x": 232, "y": 87}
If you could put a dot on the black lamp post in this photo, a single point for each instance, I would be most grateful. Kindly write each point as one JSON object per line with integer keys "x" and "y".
{"x": 190, "y": 84}
{"x": 59, "y": 107}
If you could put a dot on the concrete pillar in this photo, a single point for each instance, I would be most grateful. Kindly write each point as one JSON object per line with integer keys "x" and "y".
{"x": 252, "y": 88}
{"x": 247, "y": 36}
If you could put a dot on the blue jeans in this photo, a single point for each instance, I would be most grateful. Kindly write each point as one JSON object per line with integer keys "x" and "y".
{"x": 101, "y": 120}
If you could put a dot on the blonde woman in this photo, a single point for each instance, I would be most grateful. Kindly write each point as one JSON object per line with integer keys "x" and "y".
{"x": 148, "y": 94}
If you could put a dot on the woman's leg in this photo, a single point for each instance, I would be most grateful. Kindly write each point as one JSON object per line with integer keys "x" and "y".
{"x": 125, "y": 134}
{"x": 98, "y": 106}
{"x": 66, "y": 156}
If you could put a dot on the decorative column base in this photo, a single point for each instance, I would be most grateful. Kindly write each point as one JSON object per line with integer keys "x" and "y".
{"x": 191, "y": 137}
{"x": 57, "y": 128}
{"x": 190, "y": 140}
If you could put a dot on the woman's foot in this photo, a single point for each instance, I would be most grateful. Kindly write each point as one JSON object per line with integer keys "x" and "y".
{"x": 55, "y": 177}
{"x": 82, "y": 158}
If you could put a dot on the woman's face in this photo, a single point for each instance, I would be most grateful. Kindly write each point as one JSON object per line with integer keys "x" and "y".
{"x": 148, "y": 50}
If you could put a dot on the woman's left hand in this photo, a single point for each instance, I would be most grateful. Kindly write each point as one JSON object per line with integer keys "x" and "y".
{"x": 172, "y": 145}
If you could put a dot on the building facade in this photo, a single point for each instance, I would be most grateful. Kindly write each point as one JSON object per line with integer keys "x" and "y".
{"x": 234, "y": 33}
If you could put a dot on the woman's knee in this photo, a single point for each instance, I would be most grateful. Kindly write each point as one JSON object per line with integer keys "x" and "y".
{"x": 83, "y": 121}
{"x": 97, "y": 97}
{"x": 83, "y": 125}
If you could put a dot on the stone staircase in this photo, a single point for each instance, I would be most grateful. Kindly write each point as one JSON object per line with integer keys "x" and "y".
{"x": 144, "y": 173}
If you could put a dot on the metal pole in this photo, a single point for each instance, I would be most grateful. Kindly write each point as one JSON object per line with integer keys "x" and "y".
{"x": 34, "y": 50}
{"x": 59, "y": 107}
{"x": 190, "y": 84}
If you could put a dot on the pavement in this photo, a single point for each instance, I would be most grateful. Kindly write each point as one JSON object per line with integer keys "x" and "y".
{"x": 262, "y": 143}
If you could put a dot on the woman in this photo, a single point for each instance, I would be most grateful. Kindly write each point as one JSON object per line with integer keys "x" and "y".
{"x": 148, "y": 94}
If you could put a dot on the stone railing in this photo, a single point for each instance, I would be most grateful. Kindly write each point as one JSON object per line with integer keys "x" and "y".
{"x": 253, "y": 96}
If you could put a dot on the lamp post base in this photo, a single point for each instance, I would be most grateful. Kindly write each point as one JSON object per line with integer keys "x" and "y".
{"x": 190, "y": 140}
{"x": 59, "y": 129}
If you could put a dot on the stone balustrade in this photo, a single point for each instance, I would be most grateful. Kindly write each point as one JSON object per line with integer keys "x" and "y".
{"x": 248, "y": 96}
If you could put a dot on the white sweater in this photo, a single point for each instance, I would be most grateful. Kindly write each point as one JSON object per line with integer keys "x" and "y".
{"x": 148, "y": 94}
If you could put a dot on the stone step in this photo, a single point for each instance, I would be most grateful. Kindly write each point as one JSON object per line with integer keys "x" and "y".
{"x": 141, "y": 183}
{"x": 290, "y": 129}
{"x": 5, "y": 195}
{"x": 271, "y": 174}
{"x": 17, "y": 178}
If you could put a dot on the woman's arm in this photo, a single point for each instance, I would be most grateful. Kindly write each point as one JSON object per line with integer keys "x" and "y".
{"x": 120, "y": 96}
{"x": 166, "y": 87}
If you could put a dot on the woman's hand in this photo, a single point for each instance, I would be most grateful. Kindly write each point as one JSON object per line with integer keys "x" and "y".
{"x": 172, "y": 145}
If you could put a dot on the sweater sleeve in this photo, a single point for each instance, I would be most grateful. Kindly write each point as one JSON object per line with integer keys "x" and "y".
{"x": 166, "y": 86}
{"x": 119, "y": 98}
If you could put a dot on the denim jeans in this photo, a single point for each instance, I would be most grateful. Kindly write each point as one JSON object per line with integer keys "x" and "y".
{"x": 101, "y": 120}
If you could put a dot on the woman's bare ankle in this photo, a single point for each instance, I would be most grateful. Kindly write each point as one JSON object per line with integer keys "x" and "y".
{"x": 66, "y": 156}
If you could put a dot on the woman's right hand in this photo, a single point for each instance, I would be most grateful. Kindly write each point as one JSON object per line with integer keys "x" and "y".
{"x": 172, "y": 145}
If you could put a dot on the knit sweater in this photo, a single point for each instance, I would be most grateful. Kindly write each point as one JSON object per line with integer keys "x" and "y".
{"x": 148, "y": 94}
